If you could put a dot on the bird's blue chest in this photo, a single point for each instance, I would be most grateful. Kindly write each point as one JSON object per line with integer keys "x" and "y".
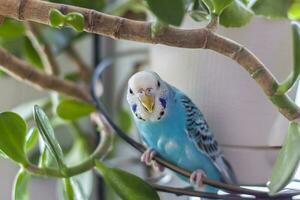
{"x": 167, "y": 136}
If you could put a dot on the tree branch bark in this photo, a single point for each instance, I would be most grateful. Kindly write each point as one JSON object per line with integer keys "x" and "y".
{"x": 121, "y": 28}
{"x": 26, "y": 73}
{"x": 84, "y": 71}
{"x": 44, "y": 51}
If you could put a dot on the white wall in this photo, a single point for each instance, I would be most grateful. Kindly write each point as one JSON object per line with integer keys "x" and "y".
{"x": 235, "y": 107}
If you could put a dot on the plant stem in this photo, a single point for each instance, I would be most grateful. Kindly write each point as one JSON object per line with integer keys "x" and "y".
{"x": 292, "y": 78}
{"x": 49, "y": 63}
{"x": 213, "y": 23}
{"x": 84, "y": 71}
{"x": 22, "y": 71}
{"x": 100, "y": 152}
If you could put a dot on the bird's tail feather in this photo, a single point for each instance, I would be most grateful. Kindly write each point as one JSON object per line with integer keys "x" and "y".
{"x": 226, "y": 171}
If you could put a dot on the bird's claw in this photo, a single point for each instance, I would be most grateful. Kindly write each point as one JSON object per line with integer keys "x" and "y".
{"x": 147, "y": 158}
{"x": 196, "y": 178}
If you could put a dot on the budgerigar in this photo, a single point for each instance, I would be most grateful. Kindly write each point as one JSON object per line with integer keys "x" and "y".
{"x": 172, "y": 126}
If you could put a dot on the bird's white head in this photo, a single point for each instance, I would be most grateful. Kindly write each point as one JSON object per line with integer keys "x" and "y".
{"x": 147, "y": 96}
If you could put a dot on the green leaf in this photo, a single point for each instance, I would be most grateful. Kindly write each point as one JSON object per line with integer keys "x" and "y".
{"x": 217, "y": 6}
{"x": 119, "y": 8}
{"x": 271, "y": 8}
{"x": 48, "y": 136}
{"x": 2, "y": 73}
{"x": 198, "y": 10}
{"x": 12, "y": 133}
{"x": 13, "y": 46}
{"x": 125, "y": 122}
{"x": 56, "y": 18}
{"x": 82, "y": 184}
{"x": 31, "y": 55}
{"x": 68, "y": 189}
{"x": 76, "y": 20}
{"x": 11, "y": 29}
{"x": 158, "y": 28}
{"x": 73, "y": 189}
{"x": 72, "y": 76}
{"x": 287, "y": 160}
{"x": 126, "y": 185}
{"x": 2, "y": 154}
{"x": 20, "y": 186}
{"x": 236, "y": 15}
{"x": 31, "y": 138}
{"x": 46, "y": 159}
{"x": 294, "y": 10}
{"x": 73, "y": 109}
{"x": 168, "y": 11}
{"x": 290, "y": 81}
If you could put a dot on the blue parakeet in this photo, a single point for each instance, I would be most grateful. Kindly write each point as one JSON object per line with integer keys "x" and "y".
{"x": 172, "y": 126}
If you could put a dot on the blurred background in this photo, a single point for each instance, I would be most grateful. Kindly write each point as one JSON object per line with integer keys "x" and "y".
{"x": 246, "y": 124}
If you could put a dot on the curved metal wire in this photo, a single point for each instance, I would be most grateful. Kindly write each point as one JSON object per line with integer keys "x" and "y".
{"x": 235, "y": 190}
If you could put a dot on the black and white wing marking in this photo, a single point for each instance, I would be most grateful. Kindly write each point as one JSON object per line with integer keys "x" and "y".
{"x": 198, "y": 131}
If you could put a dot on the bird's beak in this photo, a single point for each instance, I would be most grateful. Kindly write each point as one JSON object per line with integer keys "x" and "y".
{"x": 147, "y": 102}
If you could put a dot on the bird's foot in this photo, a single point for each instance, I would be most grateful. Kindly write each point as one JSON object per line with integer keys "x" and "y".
{"x": 147, "y": 158}
{"x": 196, "y": 178}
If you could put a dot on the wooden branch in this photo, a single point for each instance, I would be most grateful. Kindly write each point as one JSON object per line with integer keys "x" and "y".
{"x": 24, "y": 72}
{"x": 121, "y": 28}
{"x": 84, "y": 71}
{"x": 44, "y": 51}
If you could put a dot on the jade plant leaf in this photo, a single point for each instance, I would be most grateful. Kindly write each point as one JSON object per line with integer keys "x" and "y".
{"x": 30, "y": 54}
{"x": 20, "y": 186}
{"x": 13, "y": 133}
{"x": 56, "y": 18}
{"x": 11, "y": 29}
{"x": 82, "y": 184}
{"x": 73, "y": 109}
{"x": 197, "y": 10}
{"x": 217, "y": 6}
{"x": 236, "y": 15}
{"x": 68, "y": 189}
{"x": 73, "y": 189}
{"x": 48, "y": 135}
{"x": 168, "y": 11}
{"x": 2, "y": 154}
{"x": 126, "y": 185}
{"x": 31, "y": 138}
{"x": 294, "y": 10}
{"x": 76, "y": 20}
{"x": 271, "y": 8}
{"x": 287, "y": 160}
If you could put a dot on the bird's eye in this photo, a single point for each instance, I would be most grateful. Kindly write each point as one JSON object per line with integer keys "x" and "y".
{"x": 158, "y": 84}
{"x": 130, "y": 91}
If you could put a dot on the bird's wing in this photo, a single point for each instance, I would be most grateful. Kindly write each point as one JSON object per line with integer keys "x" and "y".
{"x": 200, "y": 134}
